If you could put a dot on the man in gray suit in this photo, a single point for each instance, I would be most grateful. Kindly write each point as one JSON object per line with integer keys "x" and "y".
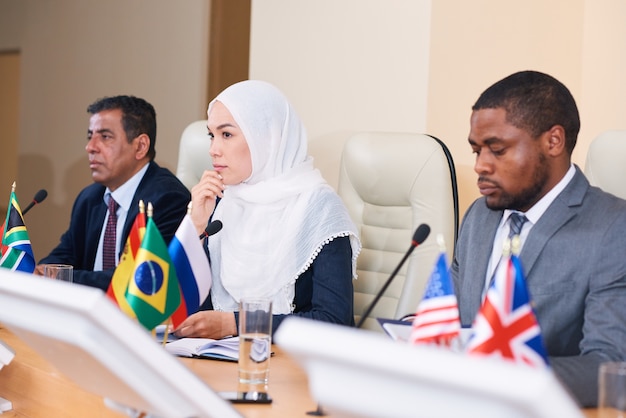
{"x": 523, "y": 130}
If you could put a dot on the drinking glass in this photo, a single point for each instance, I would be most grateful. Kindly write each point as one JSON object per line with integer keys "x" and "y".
{"x": 64, "y": 272}
{"x": 255, "y": 334}
{"x": 612, "y": 390}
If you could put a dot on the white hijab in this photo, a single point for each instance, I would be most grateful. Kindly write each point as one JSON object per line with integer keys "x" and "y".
{"x": 278, "y": 220}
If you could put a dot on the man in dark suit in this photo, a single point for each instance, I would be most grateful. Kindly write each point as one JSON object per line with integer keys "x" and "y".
{"x": 523, "y": 130}
{"x": 121, "y": 149}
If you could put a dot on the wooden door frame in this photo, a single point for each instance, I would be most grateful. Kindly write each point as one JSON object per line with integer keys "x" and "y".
{"x": 229, "y": 44}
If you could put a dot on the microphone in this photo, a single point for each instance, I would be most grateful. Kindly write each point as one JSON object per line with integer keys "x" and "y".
{"x": 420, "y": 235}
{"x": 212, "y": 229}
{"x": 40, "y": 196}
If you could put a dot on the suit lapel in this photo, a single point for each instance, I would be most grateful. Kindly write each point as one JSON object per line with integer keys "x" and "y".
{"x": 94, "y": 224}
{"x": 486, "y": 226}
{"x": 561, "y": 211}
{"x": 134, "y": 206}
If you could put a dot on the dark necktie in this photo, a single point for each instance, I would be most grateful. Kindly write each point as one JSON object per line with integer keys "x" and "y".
{"x": 108, "y": 245}
{"x": 516, "y": 222}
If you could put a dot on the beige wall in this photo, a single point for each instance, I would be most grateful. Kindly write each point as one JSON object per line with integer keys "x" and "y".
{"x": 582, "y": 43}
{"x": 349, "y": 65}
{"x": 419, "y": 65}
{"x": 75, "y": 51}
{"x": 9, "y": 103}
{"x": 484, "y": 41}
{"x": 603, "y": 74}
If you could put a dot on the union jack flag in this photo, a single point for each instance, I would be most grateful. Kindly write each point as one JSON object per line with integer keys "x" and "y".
{"x": 506, "y": 325}
{"x": 437, "y": 318}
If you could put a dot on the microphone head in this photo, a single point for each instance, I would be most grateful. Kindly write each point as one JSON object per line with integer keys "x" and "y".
{"x": 420, "y": 235}
{"x": 213, "y": 228}
{"x": 40, "y": 196}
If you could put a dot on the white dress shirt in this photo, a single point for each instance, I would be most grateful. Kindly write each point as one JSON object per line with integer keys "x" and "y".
{"x": 123, "y": 195}
{"x": 532, "y": 215}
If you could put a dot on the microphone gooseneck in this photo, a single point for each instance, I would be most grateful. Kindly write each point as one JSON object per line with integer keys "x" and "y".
{"x": 420, "y": 235}
{"x": 212, "y": 229}
{"x": 40, "y": 196}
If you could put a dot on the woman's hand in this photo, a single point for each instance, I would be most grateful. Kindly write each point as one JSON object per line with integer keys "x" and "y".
{"x": 208, "y": 324}
{"x": 203, "y": 198}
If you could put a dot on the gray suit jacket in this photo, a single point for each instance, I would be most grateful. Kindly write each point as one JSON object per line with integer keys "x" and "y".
{"x": 574, "y": 260}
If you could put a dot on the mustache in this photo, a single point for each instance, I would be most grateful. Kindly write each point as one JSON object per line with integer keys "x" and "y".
{"x": 482, "y": 179}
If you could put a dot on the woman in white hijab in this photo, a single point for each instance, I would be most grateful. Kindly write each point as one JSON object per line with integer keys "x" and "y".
{"x": 287, "y": 235}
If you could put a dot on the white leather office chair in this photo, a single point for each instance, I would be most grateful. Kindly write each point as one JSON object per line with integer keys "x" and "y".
{"x": 193, "y": 153}
{"x": 605, "y": 165}
{"x": 392, "y": 183}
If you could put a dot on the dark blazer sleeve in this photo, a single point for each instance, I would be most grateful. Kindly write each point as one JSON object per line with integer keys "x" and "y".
{"x": 169, "y": 198}
{"x": 79, "y": 244}
{"x": 324, "y": 292}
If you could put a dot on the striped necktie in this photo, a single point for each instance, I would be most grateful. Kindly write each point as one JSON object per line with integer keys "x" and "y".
{"x": 516, "y": 222}
{"x": 108, "y": 245}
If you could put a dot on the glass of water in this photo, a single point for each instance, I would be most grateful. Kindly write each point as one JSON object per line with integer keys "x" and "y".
{"x": 255, "y": 340}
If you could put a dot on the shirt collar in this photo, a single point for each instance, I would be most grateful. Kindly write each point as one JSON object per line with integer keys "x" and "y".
{"x": 534, "y": 213}
{"x": 124, "y": 194}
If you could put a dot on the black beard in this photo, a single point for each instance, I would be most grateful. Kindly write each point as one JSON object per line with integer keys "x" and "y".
{"x": 527, "y": 197}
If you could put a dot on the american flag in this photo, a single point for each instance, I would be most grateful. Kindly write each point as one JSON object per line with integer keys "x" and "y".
{"x": 506, "y": 325}
{"x": 437, "y": 316}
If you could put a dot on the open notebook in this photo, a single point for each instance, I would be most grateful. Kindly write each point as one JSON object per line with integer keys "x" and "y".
{"x": 225, "y": 349}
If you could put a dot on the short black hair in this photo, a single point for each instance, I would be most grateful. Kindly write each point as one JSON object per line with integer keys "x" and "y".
{"x": 138, "y": 117}
{"x": 535, "y": 102}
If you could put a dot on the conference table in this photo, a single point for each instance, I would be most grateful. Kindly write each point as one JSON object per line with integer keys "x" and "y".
{"x": 37, "y": 389}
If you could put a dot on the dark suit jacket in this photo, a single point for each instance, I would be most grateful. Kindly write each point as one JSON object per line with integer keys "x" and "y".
{"x": 575, "y": 264}
{"x": 79, "y": 244}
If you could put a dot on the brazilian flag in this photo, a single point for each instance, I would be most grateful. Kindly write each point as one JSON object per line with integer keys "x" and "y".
{"x": 153, "y": 292}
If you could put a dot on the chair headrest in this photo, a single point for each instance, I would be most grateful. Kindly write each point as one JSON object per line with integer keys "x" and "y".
{"x": 605, "y": 165}
{"x": 193, "y": 153}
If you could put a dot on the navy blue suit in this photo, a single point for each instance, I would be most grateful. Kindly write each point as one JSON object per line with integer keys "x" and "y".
{"x": 79, "y": 243}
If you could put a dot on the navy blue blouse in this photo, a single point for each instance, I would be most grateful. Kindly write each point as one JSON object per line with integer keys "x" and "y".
{"x": 324, "y": 291}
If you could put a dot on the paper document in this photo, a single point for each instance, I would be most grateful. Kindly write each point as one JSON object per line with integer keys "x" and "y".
{"x": 400, "y": 330}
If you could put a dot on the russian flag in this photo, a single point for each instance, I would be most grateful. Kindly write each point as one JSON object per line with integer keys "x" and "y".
{"x": 192, "y": 268}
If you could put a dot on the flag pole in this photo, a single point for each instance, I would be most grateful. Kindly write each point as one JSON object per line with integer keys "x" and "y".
{"x": 166, "y": 332}
{"x": 441, "y": 242}
{"x": 149, "y": 212}
{"x": 168, "y": 324}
